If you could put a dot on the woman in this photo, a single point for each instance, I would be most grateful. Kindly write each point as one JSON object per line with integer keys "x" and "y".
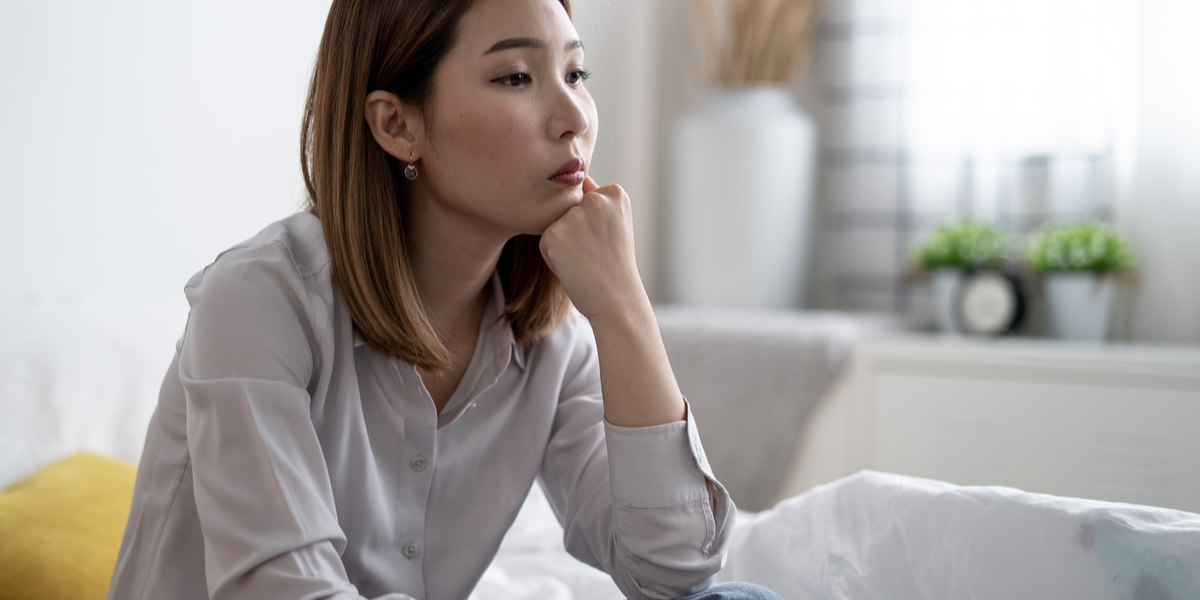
{"x": 365, "y": 392}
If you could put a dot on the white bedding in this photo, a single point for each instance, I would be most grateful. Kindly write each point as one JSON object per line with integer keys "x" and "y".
{"x": 889, "y": 537}
{"x": 876, "y": 535}
{"x": 84, "y": 374}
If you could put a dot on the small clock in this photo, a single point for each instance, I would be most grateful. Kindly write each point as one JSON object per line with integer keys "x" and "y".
{"x": 990, "y": 302}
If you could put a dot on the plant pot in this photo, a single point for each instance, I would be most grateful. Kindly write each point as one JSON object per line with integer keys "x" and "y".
{"x": 946, "y": 284}
{"x": 1079, "y": 305}
{"x": 740, "y": 189}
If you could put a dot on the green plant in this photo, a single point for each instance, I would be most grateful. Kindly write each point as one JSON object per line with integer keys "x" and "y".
{"x": 1083, "y": 246}
{"x": 963, "y": 244}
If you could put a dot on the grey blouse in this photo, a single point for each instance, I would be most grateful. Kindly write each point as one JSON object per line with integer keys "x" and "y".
{"x": 286, "y": 459}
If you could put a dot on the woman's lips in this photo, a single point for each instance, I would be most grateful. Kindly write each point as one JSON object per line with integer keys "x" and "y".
{"x": 571, "y": 173}
{"x": 572, "y": 178}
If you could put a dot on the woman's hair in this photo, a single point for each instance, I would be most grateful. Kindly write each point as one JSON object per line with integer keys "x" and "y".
{"x": 355, "y": 187}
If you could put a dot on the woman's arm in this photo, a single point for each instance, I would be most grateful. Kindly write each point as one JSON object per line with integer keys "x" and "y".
{"x": 590, "y": 249}
{"x": 639, "y": 503}
{"x": 262, "y": 490}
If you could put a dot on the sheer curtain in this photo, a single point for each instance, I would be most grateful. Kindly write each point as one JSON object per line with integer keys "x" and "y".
{"x": 1031, "y": 103}
{"x": 1068, "y": 108}
{"x": 1019, "y": 76}
{"x": 1161, "y": 203}
{"x": 1016, "y": 111}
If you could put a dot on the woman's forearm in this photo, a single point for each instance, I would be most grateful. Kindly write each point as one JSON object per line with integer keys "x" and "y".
{"x": 635, "y": 376}
{"x": 590, "y": 249}
{"x": 636, "y": 379}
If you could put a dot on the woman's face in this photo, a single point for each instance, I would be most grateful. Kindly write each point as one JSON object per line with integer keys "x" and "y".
{"x": 508, "y": 112}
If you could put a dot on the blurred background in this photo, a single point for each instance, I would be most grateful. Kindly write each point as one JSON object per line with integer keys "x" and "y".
{"x": 879, "y": 169}
{"x": 138, "y": 139}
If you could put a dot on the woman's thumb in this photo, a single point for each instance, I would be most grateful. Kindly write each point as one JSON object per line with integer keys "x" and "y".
{"x": 588, "y": 184}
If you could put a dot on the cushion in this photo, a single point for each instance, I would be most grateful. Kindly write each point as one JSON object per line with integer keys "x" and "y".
{"x": 80, "y": 374}
{"x": 61, "y": 528}
{"x": 753, "y": 379}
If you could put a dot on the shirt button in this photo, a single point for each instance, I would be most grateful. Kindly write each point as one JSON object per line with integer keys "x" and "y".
{"x": 418, "y": 463}
{"x": 411, "y": 550}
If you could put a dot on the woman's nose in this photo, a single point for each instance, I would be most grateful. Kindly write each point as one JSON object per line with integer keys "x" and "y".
{"x": 569, "y": 118}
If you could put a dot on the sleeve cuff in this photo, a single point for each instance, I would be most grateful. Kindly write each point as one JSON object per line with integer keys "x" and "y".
{"x": 659, "y": 465}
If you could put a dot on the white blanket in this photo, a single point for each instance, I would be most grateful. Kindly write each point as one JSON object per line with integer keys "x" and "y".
{"x": 877, "y": 536}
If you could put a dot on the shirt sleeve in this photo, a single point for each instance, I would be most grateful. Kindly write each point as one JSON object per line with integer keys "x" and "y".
{"x": 633, "y": 501}
{"x": 263, "y": 494}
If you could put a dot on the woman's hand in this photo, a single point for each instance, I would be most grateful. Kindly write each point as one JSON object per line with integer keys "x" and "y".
{"x": 590, "y": 249}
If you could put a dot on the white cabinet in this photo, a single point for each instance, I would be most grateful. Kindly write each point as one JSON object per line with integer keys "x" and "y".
{"x": 1105, "y": 422}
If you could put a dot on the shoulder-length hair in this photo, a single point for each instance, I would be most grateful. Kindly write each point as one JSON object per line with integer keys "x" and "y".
{"x": 355, "y": 187}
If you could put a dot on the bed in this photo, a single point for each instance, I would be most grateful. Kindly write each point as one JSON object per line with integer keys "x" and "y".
{"x": 83, "y": 374}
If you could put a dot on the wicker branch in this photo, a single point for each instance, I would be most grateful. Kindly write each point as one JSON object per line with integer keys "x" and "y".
{"x": 768, "y": 39}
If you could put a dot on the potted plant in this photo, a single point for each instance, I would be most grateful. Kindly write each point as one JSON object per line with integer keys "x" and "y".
{"x": 1079, "y": 264}
{"x": 948, "y": 252}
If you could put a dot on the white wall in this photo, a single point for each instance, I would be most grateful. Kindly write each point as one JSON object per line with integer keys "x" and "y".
{"x": 139, "y": 138}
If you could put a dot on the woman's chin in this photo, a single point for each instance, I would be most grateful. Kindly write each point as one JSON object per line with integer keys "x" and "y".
{"x": 549, "y": 209}
{"x": 573, "y": 192}
{"x": 565, "y": 201}
{"x": 543, "y": 224}
{"x": 541, "y": 227}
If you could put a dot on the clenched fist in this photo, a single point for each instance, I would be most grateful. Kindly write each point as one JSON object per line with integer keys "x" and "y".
{"x": 590, "y": 249}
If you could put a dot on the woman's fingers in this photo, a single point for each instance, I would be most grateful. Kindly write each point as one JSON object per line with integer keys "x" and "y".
{"x": 591, "y": 251}
{"x": 589, "y": 186}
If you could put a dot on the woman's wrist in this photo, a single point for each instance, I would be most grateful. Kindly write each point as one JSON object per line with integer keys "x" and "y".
{"x": 627, "y": 308}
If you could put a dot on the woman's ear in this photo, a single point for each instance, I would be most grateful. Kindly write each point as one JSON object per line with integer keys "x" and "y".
{"x": 395, "y": 127}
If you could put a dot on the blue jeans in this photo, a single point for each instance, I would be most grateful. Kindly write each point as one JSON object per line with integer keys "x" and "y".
{"x": 734, "y": 590}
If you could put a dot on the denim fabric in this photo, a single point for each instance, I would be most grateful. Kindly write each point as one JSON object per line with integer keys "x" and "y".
{"x": 734, "y": 590}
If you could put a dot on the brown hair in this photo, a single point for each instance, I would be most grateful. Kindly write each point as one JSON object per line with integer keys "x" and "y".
{"x": 355, "y": 187}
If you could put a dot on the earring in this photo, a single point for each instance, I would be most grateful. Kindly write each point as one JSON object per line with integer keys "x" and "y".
{"x": 411, "y": 170}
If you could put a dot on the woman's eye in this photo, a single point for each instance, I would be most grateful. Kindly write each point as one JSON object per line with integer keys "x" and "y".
{"x": 514, "y": 80}
{"x": 576, "y": 77}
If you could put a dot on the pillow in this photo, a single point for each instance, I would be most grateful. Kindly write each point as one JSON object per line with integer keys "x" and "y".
{"x": 61, "y": 528}
{"x": 80, "y": 374}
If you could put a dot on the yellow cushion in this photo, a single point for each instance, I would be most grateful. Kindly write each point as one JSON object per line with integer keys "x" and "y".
{"x": 61, "y": 528}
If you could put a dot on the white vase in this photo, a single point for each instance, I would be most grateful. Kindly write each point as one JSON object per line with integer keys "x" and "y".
{"x": 1079, "y": 305}
{"x": 740, "y": 189}
{"x": 946, "y": 284}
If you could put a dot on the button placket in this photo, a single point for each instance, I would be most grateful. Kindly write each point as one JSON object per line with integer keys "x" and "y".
{"x": 420, "y": 445}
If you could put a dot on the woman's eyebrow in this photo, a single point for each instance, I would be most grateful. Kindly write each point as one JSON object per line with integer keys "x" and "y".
{"x": 534, "y": 43}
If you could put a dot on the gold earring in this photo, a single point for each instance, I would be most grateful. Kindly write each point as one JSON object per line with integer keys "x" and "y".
{"x": 411, "y": 170}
